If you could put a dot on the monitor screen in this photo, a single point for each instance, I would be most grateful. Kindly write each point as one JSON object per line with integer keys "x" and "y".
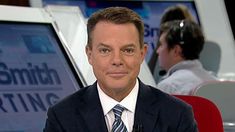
{"x": 35, "y": 73}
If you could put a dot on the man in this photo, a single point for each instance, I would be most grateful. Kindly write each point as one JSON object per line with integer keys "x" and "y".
{"x": 118, "y": 101}
{"x": 174, "y": 12}
{"x": 181, "y": 42}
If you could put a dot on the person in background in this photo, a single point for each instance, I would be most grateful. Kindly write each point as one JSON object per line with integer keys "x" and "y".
{"x": 118, "y": 101}
{"x": 180, "y": 44}
{"x": 175, "y": 12}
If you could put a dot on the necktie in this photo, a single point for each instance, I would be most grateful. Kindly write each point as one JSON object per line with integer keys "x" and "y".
{"x": 118, "y": 125}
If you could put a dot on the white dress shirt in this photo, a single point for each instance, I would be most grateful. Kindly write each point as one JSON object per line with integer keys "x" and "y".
{"x": 184, "y": 77}
{"x": 129, "y": 102}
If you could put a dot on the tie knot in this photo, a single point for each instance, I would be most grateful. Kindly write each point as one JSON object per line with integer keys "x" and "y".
{"x": 118, "y": 109}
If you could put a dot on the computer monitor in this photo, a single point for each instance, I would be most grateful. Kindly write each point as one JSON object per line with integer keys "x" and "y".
{"x": 36, "y": 71}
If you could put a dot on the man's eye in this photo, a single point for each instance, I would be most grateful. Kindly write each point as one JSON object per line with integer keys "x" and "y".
{"x": 129, "y": 51}
{"x": 104, "y": 50}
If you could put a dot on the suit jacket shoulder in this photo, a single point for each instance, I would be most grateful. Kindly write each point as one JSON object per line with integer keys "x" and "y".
{"x": 81, "y": 111}
{"x": 158, "y": 111}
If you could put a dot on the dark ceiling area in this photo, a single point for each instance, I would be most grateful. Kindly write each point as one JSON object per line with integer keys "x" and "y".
{"x": 230, "y": 10}
{"x": 15, "y": 2}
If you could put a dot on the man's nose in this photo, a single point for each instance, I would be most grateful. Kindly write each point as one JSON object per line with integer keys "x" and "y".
{"x": 117, "y": 59}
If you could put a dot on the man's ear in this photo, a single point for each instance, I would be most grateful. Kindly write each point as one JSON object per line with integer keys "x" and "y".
{"x": 88, "y": 53}
{"x": 178, "y": 50}
{"x": 144, "y": 51}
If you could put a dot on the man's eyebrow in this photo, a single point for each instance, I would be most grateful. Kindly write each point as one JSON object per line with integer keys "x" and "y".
{"x": 106, "y": 45}
{"x": 103, "y": 45}
{"x": 129, "y": 45}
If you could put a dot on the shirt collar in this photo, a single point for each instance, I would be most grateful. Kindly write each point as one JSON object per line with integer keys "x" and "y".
{"x": 186, "y": 64}
{"x": 129, "y": 102}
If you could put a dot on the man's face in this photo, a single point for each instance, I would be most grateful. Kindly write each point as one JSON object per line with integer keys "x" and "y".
{"x": 115, "y": 56}
{"x": 165, "y": 55}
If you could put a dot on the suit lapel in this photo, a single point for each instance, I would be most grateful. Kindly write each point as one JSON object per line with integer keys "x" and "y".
{"x": 146, "y": 113}
{"x": 92, "y": 111}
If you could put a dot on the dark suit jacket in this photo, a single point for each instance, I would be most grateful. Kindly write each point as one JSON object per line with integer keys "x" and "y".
{"x": 155, "y": 112}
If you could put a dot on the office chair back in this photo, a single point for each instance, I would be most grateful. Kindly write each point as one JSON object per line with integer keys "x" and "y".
{"x": 222, "y": 93}
{"x": 206, "y": 113}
